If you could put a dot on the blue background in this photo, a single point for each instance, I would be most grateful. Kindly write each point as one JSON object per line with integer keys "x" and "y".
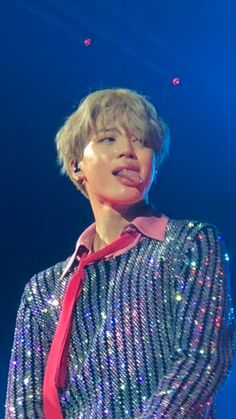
{"x": 45, "y": 71}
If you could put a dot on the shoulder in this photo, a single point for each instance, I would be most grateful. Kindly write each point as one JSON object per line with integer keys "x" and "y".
{"x": 194, "y": 238}
{"x": 43, "y": 286}
{"x": 198, "y": 254}
{"x": 191, "y": 230}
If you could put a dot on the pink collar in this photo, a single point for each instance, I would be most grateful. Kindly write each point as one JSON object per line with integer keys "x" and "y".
{"x": 150, "y": 226}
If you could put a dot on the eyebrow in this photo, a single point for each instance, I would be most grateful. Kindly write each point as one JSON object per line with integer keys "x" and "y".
{"x": 107, "y": 129}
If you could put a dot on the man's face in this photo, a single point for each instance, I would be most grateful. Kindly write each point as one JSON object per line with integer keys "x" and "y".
{"x": 114, "y": 149}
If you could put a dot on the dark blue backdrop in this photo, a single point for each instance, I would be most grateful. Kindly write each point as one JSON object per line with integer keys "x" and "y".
{"x": 46, "y": 69}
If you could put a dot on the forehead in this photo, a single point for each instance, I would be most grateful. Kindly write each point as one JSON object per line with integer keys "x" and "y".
{"x": 110, "y": 120}
{"x": 117, "y": 123}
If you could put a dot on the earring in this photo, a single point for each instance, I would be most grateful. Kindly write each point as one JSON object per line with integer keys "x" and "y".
{"x": 80, "y": 181}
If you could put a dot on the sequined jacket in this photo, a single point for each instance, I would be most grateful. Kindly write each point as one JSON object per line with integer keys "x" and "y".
{"x": 151, "y": 335}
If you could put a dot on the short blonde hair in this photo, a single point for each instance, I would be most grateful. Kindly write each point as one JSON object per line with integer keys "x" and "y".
{"x": 110, "y": 105}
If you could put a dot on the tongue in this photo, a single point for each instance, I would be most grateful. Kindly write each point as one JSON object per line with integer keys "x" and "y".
{"x": 130, "y": 177}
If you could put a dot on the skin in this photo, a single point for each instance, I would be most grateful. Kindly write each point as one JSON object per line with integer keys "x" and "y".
{"x": 114, "y": 204}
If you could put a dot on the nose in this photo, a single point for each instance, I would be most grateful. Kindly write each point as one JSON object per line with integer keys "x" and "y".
{"x": 126, "y": 149}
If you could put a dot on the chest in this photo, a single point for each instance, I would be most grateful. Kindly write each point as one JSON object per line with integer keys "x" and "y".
{"x": 133, "y": 288}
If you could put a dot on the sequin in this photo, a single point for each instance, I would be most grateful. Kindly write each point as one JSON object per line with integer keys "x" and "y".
{"x": 226, "y": 257}
{"x": 151, "y": 336}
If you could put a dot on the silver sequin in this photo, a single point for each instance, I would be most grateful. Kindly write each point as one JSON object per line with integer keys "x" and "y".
{"x": 151, "y": 336}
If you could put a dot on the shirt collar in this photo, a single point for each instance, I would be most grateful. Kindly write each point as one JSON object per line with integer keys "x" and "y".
{"x": 153, "y": 226}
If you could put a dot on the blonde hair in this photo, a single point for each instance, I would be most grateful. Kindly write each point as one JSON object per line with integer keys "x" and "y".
{"x": 114, "y": 105}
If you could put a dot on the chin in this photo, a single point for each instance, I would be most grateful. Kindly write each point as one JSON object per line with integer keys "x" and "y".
{"x": 124, "y": 199}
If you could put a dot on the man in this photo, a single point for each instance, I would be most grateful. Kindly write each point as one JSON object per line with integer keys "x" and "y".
{"x": 135, "y": 324}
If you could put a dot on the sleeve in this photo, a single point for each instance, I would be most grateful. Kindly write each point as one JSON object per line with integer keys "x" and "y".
{"x": 24, "y": 390}
{"x": 203, "y": 330}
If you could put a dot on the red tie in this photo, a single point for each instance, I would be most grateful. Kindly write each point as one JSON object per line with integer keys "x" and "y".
{"x": 56, "y": 367}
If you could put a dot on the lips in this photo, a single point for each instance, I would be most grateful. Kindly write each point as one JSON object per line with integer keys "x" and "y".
{"x": 125, "y": 167}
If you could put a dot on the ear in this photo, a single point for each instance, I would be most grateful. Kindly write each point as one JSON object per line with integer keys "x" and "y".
{"x": 76, "y": 171}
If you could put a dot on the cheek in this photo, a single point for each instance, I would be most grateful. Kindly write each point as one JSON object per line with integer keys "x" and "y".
{"x": 96, "y": 169}
{"x": 92, "y": 159}
{"x": 149, "y": 164}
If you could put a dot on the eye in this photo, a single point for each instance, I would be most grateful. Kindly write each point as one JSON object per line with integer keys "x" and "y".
{"x": 107, "y": 139}
{"x": 141, "y": 141}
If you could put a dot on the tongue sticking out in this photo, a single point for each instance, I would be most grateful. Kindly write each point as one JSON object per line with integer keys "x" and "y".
{"x": 130, "y": 177}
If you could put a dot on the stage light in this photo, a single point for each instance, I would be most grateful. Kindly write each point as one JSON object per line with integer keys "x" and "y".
{"x": 87, "y": 42}
{"x": 176, "y": 81}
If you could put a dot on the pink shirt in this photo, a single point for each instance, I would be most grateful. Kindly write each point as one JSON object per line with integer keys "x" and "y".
{"x": 150, "y": 226}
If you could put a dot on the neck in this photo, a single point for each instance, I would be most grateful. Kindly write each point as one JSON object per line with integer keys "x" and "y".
{"x": 111, "y": 221}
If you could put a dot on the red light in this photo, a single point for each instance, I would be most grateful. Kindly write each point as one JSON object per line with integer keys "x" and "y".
{"x": 176, "y": 81}
{"x": 87, "y": 42}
